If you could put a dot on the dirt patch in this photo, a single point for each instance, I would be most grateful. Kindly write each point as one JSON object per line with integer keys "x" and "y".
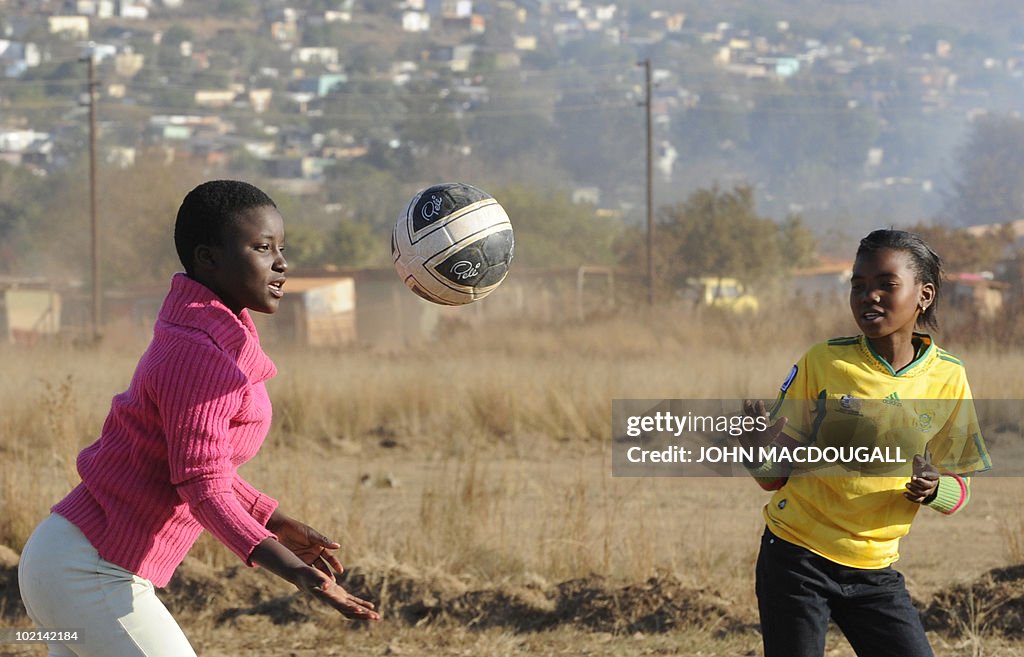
{"x": 222, "y": 595}
{"x": 659, "y": 605}
{"x": 992, "y": 604}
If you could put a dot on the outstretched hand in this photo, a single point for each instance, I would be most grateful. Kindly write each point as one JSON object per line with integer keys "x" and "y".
{"x": 308, "y": 544}
{"x": 756, "y": 439}
{"x": 306, "y": 558}
{"x": 327, "y": 590}
{"x": 924, "y": 483}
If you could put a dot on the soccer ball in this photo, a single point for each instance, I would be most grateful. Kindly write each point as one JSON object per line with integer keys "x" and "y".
{"x": 453, "y": 244}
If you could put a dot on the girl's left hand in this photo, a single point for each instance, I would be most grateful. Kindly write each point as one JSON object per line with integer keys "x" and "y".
{"x": 924, "y": 482}
{"x": 308, "y": 544}
{"x": 349, "y": 605}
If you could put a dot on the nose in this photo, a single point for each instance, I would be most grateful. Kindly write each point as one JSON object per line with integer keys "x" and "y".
{"x": 872, "y": 296}
{"x": 280, "y": 264}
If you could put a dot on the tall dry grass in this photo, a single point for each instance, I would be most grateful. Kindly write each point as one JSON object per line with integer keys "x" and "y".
{"x": 481, "y": 455}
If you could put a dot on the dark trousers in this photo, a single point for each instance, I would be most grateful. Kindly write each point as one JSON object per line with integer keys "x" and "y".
{"x": 798, "y": 591}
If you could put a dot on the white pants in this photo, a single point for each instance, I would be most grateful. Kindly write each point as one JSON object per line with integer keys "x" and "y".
{"x": 66, "y": 585}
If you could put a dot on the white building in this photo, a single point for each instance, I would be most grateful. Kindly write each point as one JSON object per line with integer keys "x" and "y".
{"x": 99, "y": 51}
{"x": 16, "y": 58}
{"x": 76, "y": 27}
{"x": 415, "y": 21}
{"x": 134, "y": 11}
{"x": 457, "y": 8}
{"x": 322, "y": 55}
{"x": 97, "y": 8}
{"x": 16, "y": 141}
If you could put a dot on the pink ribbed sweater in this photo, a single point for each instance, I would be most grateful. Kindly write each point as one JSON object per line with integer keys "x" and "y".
{"x": 165, "y": 465}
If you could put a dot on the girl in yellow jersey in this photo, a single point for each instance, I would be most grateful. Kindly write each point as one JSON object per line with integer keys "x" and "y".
{"x": 833, "y": 531}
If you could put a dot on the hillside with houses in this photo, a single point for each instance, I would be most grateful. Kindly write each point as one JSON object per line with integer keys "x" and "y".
{"x": 290, "y": 90}
{"x": 344, "y": 108}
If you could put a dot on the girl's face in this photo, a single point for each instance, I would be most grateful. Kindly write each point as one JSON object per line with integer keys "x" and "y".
{"x": 248, "y": 271}
{"x": 885, "y": 296}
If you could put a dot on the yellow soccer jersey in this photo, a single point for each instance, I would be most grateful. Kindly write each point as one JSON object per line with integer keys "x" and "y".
{"x": 842, "y": 394}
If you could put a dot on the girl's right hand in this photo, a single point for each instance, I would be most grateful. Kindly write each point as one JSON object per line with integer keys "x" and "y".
{"x": 924, "y": 484}
{"x": 757, "y": 439}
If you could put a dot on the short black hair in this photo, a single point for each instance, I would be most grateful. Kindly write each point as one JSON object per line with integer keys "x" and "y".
{"x": 208, "y": 209}
{"x": 925, "y": 262}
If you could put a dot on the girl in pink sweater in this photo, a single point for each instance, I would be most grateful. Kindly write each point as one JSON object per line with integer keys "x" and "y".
{"x": 165, "y": 465}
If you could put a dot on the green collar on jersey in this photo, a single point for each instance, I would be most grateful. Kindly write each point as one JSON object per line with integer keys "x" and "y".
{"x": 922, "y": 344}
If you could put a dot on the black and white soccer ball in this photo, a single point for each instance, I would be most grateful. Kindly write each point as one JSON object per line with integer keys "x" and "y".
{"x": 453, "y": 244}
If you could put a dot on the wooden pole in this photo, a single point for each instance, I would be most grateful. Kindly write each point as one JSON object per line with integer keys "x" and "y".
{"x": 97, "y": 291}
{"x": 650, "y": 183}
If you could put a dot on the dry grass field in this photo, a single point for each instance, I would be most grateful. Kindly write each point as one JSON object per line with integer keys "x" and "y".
{"x": 469, "y": 483}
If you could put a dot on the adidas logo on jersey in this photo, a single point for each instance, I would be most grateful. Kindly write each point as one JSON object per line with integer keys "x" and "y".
{"x": 893, "y": 400}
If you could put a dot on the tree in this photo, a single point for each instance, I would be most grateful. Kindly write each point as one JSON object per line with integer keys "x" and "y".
{"x": 990, "y": 187}
{"x": 963, "y": 251}
{"x": 719, "y": 233}
{"x": 354, "y": 244}
{"x": 176, "y": 34}
{"x": 552, "y": 231}
{"x": 136, "y": 210}
{"x": 236, "y": 9}
{"x": 20, "y": 192}
{"x": 429, "y": 122}
{"x": 797, "y": 244}
{"x": 367, "y": 194}
{"x": 348, "y": 244}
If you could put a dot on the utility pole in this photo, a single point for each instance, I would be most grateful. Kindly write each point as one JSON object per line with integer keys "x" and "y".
{"x": 97, "y": 292}
{"x": 650, "y": 182}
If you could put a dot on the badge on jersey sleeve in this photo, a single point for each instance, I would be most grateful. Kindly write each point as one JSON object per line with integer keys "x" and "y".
{"x": 789, "y": 379}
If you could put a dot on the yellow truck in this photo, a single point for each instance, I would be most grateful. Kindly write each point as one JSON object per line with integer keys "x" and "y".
{"x": 721, "y": 292}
